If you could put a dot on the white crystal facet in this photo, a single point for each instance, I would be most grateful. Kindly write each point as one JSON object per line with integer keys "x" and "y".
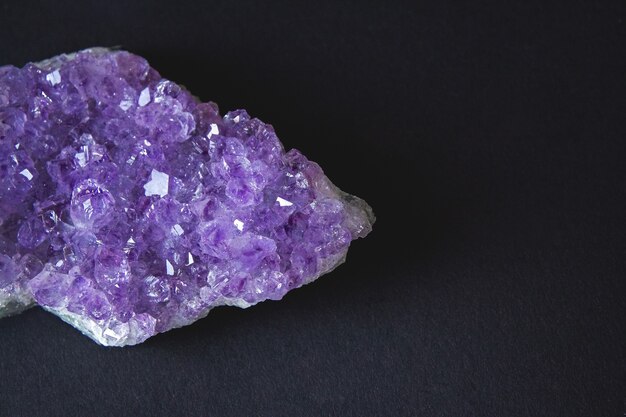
{"x": 54, "y": 77}
{"x": 26, "y": 173}
{"x": 158, "y": 184}
{"x": 214, "y": 130}
{"x": 144, "y": 97}
{"x": 283, "y": 203}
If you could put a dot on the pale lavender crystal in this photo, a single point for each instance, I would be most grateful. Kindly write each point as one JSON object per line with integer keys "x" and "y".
{"x": 128, "y": 207}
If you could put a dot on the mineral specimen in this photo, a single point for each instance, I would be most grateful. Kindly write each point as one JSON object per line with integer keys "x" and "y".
{"x": 128, "y": 207}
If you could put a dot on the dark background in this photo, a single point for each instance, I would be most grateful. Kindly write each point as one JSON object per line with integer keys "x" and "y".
{"x": 489, "y": 139}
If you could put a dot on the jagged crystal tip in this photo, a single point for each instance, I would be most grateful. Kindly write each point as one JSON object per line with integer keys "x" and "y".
{"x": 128, "y": 207}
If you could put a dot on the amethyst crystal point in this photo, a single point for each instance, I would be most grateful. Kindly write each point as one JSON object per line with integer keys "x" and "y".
{"x": 128, "y": 207}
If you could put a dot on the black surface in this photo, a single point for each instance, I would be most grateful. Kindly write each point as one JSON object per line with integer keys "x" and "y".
{"x": 490, "y": 137}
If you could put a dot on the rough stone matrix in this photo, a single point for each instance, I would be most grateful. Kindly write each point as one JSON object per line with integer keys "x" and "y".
{"x": 128, "y": 207}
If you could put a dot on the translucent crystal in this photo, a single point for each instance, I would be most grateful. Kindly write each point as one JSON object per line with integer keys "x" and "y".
{"x": 128, "y": 207}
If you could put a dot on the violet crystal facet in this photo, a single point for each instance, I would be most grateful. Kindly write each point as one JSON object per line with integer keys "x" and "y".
{"x": 128, "y": 207}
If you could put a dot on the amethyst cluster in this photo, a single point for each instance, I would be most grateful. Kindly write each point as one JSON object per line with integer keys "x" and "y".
{"x": 128, "y": 207}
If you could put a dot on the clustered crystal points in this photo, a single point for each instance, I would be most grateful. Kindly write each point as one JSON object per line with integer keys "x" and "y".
{"x": 128, "y": 207}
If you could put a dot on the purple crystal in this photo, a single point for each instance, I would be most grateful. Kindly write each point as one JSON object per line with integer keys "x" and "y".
{"x": 128, "y": 207}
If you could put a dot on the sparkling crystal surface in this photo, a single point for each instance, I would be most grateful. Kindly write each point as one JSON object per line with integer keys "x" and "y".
{"x": 128, "y": 207}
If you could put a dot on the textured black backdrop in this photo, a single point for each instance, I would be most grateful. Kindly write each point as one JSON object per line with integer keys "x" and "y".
{"x": 489, "y": 138}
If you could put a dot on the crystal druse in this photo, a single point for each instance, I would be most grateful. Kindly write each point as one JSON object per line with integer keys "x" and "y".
{"x": 128, "y": 207}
